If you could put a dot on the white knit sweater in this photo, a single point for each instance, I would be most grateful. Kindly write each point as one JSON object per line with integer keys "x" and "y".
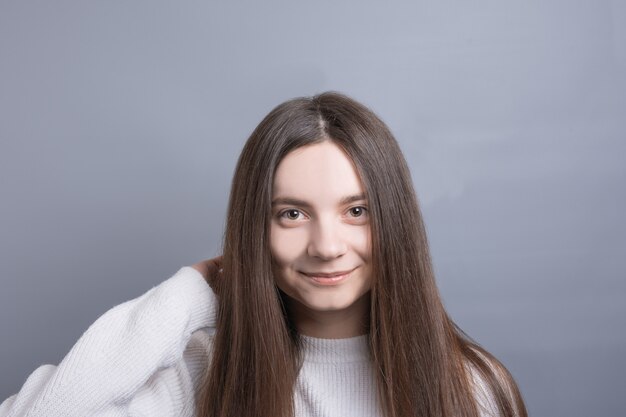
{"x": 145, "y": 357}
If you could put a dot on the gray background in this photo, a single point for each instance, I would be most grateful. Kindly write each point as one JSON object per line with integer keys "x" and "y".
{"x": 121, "y": 122}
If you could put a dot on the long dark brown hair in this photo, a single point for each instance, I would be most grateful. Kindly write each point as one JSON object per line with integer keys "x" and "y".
{"x": 256, "y": 355}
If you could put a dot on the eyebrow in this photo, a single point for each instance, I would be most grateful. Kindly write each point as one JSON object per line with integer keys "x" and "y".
{"x": 297, "y": 202}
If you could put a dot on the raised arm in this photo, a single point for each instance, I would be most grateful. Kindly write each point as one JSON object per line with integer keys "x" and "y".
{"x": 131, "y": 357}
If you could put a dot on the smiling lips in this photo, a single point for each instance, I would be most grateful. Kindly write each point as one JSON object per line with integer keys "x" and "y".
{"x": 331, "y": 278}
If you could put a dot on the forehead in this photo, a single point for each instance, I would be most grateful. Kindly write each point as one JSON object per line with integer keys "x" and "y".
{"x": 321, "y": 171}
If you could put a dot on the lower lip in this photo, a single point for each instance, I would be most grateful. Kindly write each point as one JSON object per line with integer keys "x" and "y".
{"x": 329, "y": 281}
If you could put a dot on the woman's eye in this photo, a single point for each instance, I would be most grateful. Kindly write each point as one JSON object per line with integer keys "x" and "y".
{"x": 291, "y": 214}
{"x": 358, "y": 211}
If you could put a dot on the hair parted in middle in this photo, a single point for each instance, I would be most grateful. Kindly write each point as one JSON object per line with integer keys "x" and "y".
{"x": 419, "y": 355}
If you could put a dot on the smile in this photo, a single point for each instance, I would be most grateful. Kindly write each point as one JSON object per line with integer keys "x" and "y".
{"x": 332, "y": 278}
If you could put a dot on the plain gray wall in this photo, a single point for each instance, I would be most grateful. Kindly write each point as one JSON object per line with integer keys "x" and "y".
{"x": 121, "y": 123}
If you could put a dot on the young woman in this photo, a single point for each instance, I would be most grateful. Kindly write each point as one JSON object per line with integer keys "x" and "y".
{"x": 324, "y": 302}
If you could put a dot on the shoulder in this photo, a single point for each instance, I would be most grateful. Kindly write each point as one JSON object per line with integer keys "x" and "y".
{"x": 483, "y": 393}
{"x": 495, "y": 390}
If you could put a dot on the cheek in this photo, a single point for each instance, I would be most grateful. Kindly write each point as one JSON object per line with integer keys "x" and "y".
{"x": 362, "y": 242}
{"x": 286, "y": 245}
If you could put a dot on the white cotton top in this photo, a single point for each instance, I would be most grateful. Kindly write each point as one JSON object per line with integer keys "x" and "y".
{"x": 145, "y": 357}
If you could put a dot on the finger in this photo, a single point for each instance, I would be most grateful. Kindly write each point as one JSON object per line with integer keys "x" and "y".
{"x": 215, "y": 265}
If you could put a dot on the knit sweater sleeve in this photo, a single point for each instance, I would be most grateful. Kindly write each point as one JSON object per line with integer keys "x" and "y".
{"x": 140, "y": 358}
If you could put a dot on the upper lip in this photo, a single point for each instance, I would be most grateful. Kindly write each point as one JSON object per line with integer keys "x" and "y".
{"x": 328, "y": 274}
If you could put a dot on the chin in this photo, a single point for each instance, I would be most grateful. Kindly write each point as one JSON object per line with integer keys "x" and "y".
{"x": 325, "y": 307}
{"x": 327, "y": 303}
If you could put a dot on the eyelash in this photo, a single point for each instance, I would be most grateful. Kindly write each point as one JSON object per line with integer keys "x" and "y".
{"x": 282, "y": 213}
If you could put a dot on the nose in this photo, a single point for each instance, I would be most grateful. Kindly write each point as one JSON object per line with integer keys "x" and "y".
{"x": 326, "y": 241}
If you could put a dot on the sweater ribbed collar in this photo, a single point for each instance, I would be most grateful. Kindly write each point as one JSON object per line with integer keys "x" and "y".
{"x": 352, "y": 349}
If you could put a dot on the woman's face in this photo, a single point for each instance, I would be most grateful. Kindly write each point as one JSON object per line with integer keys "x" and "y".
{"x": 320, "y": 238}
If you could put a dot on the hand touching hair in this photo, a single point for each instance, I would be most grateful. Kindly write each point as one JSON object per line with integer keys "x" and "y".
{"x": 212, "y": 271}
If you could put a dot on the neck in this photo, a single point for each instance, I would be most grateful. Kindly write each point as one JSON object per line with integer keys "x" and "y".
{"x": 333, "y": 324}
